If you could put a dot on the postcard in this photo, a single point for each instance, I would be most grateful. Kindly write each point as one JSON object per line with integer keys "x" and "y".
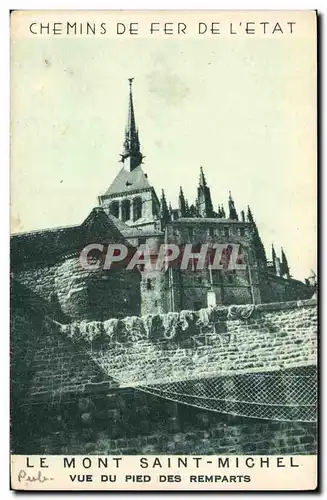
{"x": 163, "y": 250}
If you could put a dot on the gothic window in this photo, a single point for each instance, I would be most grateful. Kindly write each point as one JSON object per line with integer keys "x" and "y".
{"x": 114, "y": 209}
{"x": 242, "y": 231}
{"x": 211, "y": 232}
{"x": 148, "y": 284}
{"x": 226, "y": 231}
{"x": 126, "y": 210}
{"x": 137, "y": 208}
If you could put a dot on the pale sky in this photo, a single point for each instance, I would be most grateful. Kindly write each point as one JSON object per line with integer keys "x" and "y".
{"x": 244, "y": 109}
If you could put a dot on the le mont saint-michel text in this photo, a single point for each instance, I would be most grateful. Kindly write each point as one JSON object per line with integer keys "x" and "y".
{"x": 242, "y": 27}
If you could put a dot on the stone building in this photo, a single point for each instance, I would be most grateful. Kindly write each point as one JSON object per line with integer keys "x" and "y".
{"x": 132, "y": 199}
{"x": 129, "y": 211}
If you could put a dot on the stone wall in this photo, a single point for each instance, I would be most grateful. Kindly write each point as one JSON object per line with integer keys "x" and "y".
{"x": 80, "y": 293}
{"x": 287, "y": 289}
{"x": 208, "y": 342}
{"x": 132, "y": 422}
{"x": 281, "y": 338}
{"x": 65, "y": 400}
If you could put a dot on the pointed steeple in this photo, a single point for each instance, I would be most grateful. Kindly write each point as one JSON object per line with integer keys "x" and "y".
{"x": 202, "y": 180}
{"x": 285, "y": 270}
{"x": 223, "y": 213}
{"x": 164, "y": 211}
{"x": 187, "y": 208}
{"x": 203, "y": 202}
{"x": 232, "y": 210}
{"x": 249, "y": 215}
{"x": 273, "y": 257}
{"x": 131, "y": 156}
{"x": 242, "y": 216}
{"x": 257, "y": 243}
{"x": 182, "y": 203}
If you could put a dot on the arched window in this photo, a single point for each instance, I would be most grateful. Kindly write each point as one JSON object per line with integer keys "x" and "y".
{"x": 137, "y": 208}
{"x": 126, "y": 210}
{"x": 114, "y": 209}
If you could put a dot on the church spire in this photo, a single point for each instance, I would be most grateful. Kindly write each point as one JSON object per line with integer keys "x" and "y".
{"x": 202, "y": 181}
{"x": 250, "y": 216}
{"x": 131, "y": 156}
{"x": 164, "y": 211}
{"x": 232, "y": 210}
{"x": 257, "y": 242}
{"x": 273, "y": 256}
{"x": 204, "y": 203}
{"x": 284, "y": 265}
{"x": 182, "y": 203}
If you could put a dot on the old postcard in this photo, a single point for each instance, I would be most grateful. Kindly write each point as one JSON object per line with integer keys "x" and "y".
{"x": 163, "y": 250}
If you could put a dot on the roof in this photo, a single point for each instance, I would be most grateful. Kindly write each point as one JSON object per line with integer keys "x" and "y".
{"x": 126, "y": 181}
{"x": 128, "y": 231}
{"x": 133, "y": 231}
{"x": 44, "y": 244}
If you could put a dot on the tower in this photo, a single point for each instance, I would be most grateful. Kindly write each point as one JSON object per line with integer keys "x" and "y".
{"x": 204, "y": 203}
{"x": 131, "y": 156}
{"x": 285, "y": 270}
{"x": 130, "y": 197}
{"x": 256, "y": 240}
{"x": 164, "y": 211}
{"x": 273, "y": 258}
{"x": 232, "y": 210}
{"x": 182, "y": 203}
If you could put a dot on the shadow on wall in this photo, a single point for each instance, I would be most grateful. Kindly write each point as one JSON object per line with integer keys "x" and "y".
{"x": 131, "y": 422}
{"x": 98, "y": 294}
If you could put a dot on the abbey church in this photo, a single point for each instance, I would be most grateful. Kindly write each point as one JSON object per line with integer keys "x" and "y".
{"x": 45, "y": 264}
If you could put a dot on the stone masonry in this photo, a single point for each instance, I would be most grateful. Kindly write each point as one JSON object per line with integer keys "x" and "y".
{"x": 72, "y": 403}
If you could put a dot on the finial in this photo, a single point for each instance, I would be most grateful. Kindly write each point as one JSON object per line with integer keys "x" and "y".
{"x": 130, "y": 80}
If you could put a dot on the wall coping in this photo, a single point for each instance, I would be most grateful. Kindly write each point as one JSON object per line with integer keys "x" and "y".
{"x": 279, "y": 306}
